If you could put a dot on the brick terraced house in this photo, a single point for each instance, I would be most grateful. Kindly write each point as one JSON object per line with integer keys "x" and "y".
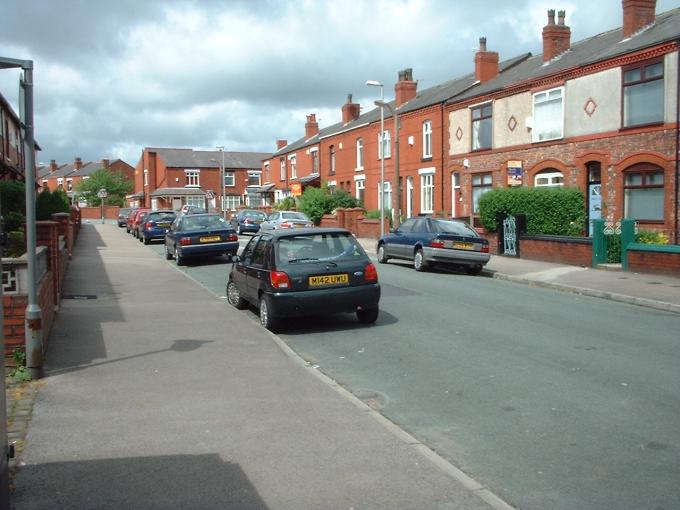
{"x": 12, "y": 156}
{"x": 600, "y": 114}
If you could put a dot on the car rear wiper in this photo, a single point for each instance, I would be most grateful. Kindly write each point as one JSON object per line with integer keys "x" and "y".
{"x": 304, "y": 259}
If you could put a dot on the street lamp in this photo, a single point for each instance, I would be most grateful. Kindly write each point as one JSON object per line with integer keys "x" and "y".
{"x": 374, "y": 83}
{"x": 396, "y": 191}
{"x": 224, "y": 210}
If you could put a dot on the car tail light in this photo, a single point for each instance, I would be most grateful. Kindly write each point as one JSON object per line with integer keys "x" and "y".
{"x": 246, "y": 221}
{"x": 279, "y": 280}
{"x": 370, "y": 273}
{"x": 286, "y": 224}
{"x": 185, "y": 241}
{"x": 436, "y": 243}
{"x": 232, "y": 237}
{"x": 148, "y": 224}
{"x": 485, "y": 248}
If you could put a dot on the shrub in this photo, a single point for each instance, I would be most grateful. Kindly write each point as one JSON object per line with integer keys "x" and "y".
{"x": 49, "y": 203}
{"x": 549, "y": 211}
{"x": 12, "y": 197}
{"x": 16, "y": 244}
{"x": 315, "y": 202}
{"x": 287, "y": 204}
{"x": 14, "y": 221}
{"x": 651, "y": 237}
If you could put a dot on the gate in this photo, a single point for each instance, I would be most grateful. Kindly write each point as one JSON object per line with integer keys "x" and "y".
{"x": 510, "y": 236}
{"x": 609, "y": 238}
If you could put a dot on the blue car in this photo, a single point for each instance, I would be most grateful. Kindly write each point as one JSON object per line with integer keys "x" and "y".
{"x": 155, "y": 225}
{"x": 427, "y": 241}
{"x": 195, "y": 235}
{"x": 248, "y": 220}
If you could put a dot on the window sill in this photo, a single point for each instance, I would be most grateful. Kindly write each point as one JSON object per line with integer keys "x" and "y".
{"x": 641, "y": 126}
{"x": 481, "y": 149}
{"x": 426, "y": 158}
{"x": 359, "y": 169}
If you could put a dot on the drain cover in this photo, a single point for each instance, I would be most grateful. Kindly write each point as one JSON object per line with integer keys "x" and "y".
{"x": 78, "y": 296}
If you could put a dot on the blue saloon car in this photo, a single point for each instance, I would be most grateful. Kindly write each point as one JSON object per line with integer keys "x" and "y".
{"x": 195, "y": 235}
{"x": 155, "y": 225}
{"x": 427, "y": 241}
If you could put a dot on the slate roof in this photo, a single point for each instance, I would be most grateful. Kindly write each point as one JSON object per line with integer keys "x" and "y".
{"x": 189, "y": 158}
{"x": 166, "y": 192}
{"x": 62, "y": 171}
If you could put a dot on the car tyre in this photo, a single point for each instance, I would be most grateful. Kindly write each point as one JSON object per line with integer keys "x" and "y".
{"x": 145, "y": 240}
{"x": 419, "y": 263}
{"x": 474, "y": 270}
{"x": 168, "y": 255}
{"x": 234, "y": 296}
{"x": 368, "y": 315}
{"x": 382, "y": 257}
{"x": 267, "y": 318}
{"x": 239, "y": 230}
{"x": 179, "y": 260}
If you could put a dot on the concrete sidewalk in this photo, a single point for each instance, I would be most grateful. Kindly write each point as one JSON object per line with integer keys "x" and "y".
{"x": 157, "y": 395}
{"x": 644, "y": 289}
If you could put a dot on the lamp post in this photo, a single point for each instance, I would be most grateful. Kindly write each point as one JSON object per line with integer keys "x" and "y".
{"x": 224, "y": 211}
{"x": 395, "y": 183}
{"x": 374, "y": 83}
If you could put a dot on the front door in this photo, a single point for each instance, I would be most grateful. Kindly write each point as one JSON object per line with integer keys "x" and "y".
{"x": 409, "y": 197}
{"x": 455, "y": 194}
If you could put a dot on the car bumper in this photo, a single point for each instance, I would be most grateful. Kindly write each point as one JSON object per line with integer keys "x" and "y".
{"x": 155, "y": 234}
{"x": 312, "y": 302}
{"x": 198, "y": 250}
{"x": 250, "y": 228}
{"x": 449, "y": 256}
{"x": 122, "y": 223}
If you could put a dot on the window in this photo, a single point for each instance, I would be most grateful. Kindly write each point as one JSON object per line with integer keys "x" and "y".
{"x": 229, "y": 179}
{"x": 643, "y": 94}
{"x": 192, "y": 178}
{"x": 254, "y": 177}
{"x": 387, "y": 195}
{"x": 231, "y": 202}
{"x": 549, "y": 177}
{"x": 481, "y": 183}
{"x": 427, "y": 139}
{"x": 481, "y": 127}
{"x": 60, "y": 182}
{"x": 197, "y": 201}
{"x": 293, "y": 167}
{"x": 283, "y": 168}
{"x": 427, "y": 193}
{"x": 146, "y": 177}
{"x": 644, "y": 193}
{"x": 331, "y": 168}
{"x": 315, "y": 162}
{"x": 548, "y": 115}
{"x": 360, "y": 153}
{"x": 360, "y": 185}
{"x": 69, "y": 184}
{"x": 386, "y": 145}
{"x": 266, "y": 173}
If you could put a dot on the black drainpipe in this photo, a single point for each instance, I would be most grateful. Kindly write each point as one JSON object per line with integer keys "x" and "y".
{"x": 677, "y": 137}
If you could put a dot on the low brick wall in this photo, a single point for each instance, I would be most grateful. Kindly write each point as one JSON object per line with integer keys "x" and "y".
{"x": 328, "y": 220}
{"x": 648, "y": 258}
{"x": 95, "y": 213}
{"x": 577, "y": 251}
{"x": 370, "y": 228}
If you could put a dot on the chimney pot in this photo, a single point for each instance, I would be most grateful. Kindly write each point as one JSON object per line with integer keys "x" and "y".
{"x": 486, "y": 63}
{"x": 405, "y": 89}
{"x": 637, "y": 14}
{"x": 556, "y": 38}
{"x": 311, "y": 126}
{"x": 551, "y": 16}
{"x": 482, "y": 44}
{"x": 560, "y": 17}
{"x": 280, "y": 144}
{"x": 350, "y": 110}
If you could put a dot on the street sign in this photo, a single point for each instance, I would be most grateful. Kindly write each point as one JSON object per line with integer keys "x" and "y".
{"x": 102, "y": 193}
{"x": 210, "y": 194}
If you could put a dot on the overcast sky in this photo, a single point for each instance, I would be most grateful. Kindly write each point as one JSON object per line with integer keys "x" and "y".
{"x": 113, "y": 77}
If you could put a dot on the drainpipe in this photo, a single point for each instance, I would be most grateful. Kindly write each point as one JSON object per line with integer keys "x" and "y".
{"x": 677, "y": 138}
{"x": 441, "y": 106}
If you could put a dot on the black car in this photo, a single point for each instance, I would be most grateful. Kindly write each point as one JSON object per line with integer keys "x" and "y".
{"x": 307, "y": 271}
{"x": 155, "y": 225}
{"x": 123, "y": 214}
{"x": 247, "y": 220}
{"x": 428, "y": 241}
{"x": 193, "y": 235}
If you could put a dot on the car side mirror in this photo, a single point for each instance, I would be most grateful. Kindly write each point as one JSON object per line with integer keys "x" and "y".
{"x": 236, "y": 258}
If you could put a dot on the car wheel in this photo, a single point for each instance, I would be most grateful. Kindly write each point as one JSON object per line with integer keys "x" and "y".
{"x": 140, "y": 238}
{"x": 127, "y": 230}
{"x": 179, "y": 260}
{"x": 267, "y": 318}
{"x": 382, "y": 257}
{"x": 168, "y": 255}
{"x": 145, "y": 240}
{"x": 474, "y": 270}
{"x": 419, "y": 263}
{"x": 368, "y": 316}
{"x": 234, "y": 296}
{"x": 239, "y": 230}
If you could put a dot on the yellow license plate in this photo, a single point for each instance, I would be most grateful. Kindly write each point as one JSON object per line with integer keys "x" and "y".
{"x": 328, "y": 279}
{"x": 464, "y": 246}
{"x": 163, "y": 224}
{"x": 209, "y": 239}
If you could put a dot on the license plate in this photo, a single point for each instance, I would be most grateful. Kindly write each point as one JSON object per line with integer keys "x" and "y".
{"x": 209, "y": 239}
{"x": 163, "y": 225}
{"x": 464, "y": 246}
{"x": 328, "y": 279}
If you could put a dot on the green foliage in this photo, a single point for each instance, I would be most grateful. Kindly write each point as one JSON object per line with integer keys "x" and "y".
{"x": 19, "y": 372}
{"x": 16, "y": 244}
{"x": 341, "y": 198}
{"x": 651, "y": 237}
{"x": 287, "y": 204}
{"x": 613, "y": 243}
{"x": 59, "y": 201}
{"x": 315, "y": 202}
{"x": 549, "y": 211}
{"x": 115, "y": 184}
{"x": 43, "y": 204}
{"x": 14, "y": 221}
{"x": 372, "y": 214}
{"x": 13, "y": 197}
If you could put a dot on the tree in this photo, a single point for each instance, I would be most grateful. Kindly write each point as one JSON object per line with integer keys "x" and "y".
{"x": 115, "y": 184}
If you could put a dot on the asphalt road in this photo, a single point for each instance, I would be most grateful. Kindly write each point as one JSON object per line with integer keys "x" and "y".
{"x": 552, "y": 399}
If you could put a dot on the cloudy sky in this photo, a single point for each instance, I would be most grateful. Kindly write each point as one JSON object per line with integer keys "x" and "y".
{"x": 113, "y": 77}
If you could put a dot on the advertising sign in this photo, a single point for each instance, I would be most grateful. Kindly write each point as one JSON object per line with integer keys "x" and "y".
{"x": 296, "y": 189}
{"x": 515, "y": 173}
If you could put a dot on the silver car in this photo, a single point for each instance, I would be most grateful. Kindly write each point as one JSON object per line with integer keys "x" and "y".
{"x": 285, "y": 219}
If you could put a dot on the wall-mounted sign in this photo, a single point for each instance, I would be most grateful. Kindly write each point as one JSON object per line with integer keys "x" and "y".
{"x": 296, "y": 189}
{"x": 515, "y": 173}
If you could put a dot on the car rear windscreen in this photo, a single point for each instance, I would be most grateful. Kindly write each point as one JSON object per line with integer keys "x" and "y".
{"x": 454, "y": 227}
{"x": 298, "y": 249}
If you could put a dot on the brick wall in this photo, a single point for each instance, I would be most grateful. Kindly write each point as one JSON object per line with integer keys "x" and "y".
{"x": 95, "y": 213}
{"x": 560, "y": 250}
{"x": 640, "y": 261}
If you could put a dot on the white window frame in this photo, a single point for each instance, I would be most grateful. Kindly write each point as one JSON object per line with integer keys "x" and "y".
{"x": 387, "y": 144}
{"x": 387, "y": 187}
{"x": 482, "y": 182}
{"x": 282, "y": 176}
{"x": 540, "y": 103}
{"x": 60, "y": 182}
{"x": 255, "y": 173}
{"x": 359, "y": 184}
{"x": 427, "y": 139}
{"x": 293, "y": 166}
{"x": 551, "y": 176}
{"x": 193, "y": 177}
{"x": 229, "y": 179}
{"x": 195, "y": 200}
{"x": 69, "y": 184}
{"x": 360, "y": 154}
{"x": 231, "y": 202}
{"x": 146, "y": 177}
{"x": 426, "y": 191}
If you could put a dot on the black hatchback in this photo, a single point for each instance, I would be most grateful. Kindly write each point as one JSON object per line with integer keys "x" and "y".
{"x": 304, "y": 272}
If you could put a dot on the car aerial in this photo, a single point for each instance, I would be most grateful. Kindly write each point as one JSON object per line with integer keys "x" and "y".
{"x": 286, "y": 219}
{"x": 137, "y": 219}
{"x": 156, "y": 224}
{"x": 128, "y": 221}
{"x": 303, "y": 272}
{"x": 247, "y": 220}
{"x": 193, "y": 235}
{"x": 192, "y": 209}
{"x": 427, "y": 241}
{"x": 123, "y": 214}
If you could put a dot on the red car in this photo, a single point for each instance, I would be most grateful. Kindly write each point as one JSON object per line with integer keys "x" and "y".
{"x": 128, "y": 221}
{"x": 137, "y": 220}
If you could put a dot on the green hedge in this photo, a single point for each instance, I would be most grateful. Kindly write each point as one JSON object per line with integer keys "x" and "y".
{"x": 549, "y": 211}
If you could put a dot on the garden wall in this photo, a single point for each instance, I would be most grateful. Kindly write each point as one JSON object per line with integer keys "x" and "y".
{"x": 577, "y": 251}
{"x": 653, "y": 258}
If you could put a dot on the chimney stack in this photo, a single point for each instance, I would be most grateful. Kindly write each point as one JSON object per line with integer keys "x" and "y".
{"x": 405, "y": 88}
{"x": 53, "y": 165}
{"x": 105, "y": 163}
{"x": 280, "y": 144}
{"x": 78, "y": 163}
{"x": 556, "y": 37}
{"x": 486, "y": 63}
{"x": 311, "y": 126}
{"x": 637, "y": 14}
{"x": 350, "y": 110}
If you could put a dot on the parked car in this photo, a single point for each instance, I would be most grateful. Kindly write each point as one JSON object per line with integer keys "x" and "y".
{"x": 130, "y": 218}
{"x": 192, "y": 209}
{"x": 193, "y": 235}
{"x": 247, "y": 220}
{"x": 428, "y": 241}
{"x": 308, "y": 271}
{"x": 137, "y": 220}
{"x": 123, "y": 214}
{"x": 286, "y": 219}
{"x": 156, "y": 224}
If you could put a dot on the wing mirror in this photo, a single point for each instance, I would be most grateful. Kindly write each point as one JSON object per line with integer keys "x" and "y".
{"x": 236, "y": 258}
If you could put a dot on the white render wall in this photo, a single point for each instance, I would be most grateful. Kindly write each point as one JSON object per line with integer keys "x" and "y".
{"x": 518, "y": 106}
{"x": 671, "y": 84}
{"x": 604, "y": 88}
